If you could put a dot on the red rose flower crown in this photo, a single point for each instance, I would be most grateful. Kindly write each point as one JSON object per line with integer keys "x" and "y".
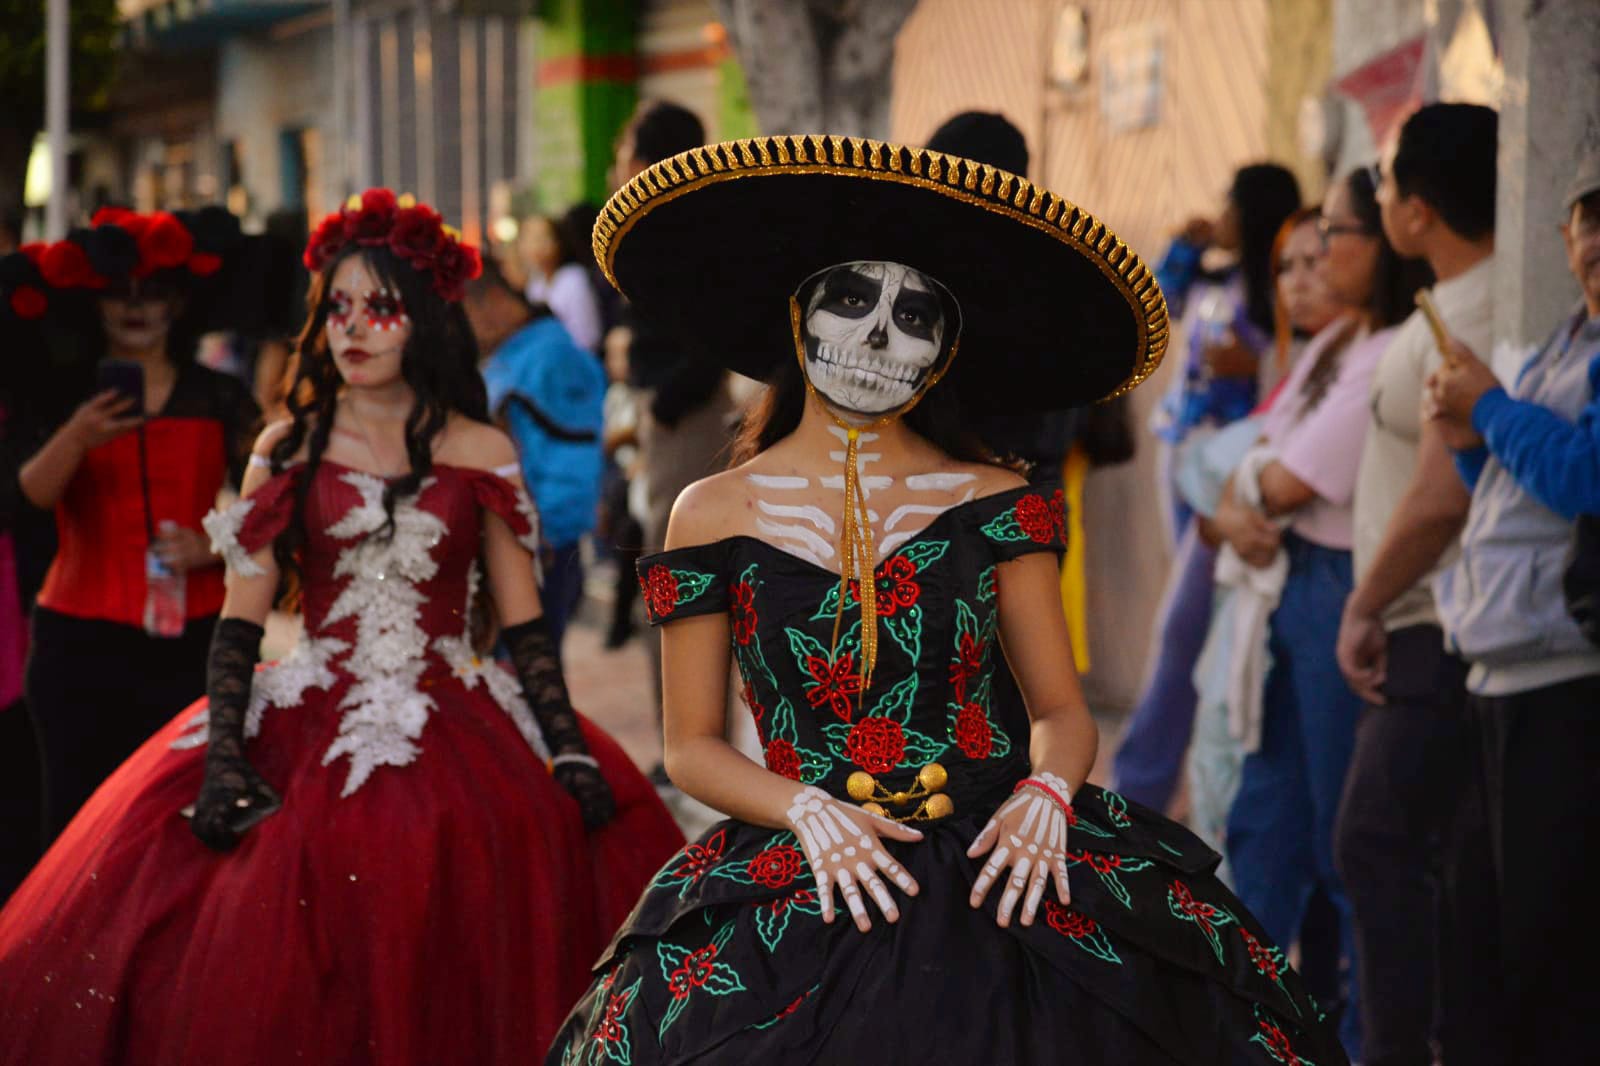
{"x": 414, "y": 232}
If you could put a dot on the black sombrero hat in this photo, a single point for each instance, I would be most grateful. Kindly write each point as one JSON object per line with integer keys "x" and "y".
{"x": 712, "y": 243}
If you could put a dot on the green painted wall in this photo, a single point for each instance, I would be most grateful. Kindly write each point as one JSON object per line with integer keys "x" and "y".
{"x": 578, "y": 116}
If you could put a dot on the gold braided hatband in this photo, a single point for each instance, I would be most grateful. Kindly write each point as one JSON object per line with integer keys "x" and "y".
{"x": 983, "y": 186}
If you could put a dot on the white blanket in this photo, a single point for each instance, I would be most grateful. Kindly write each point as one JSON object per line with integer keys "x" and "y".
{"x": 1256, "y": 593}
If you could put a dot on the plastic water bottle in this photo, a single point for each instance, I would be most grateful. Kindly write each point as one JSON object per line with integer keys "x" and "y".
{"x": 1213, "y": 325}
{"x": 165, "y": 589}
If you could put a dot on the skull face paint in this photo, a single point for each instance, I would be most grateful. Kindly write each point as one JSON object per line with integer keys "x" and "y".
{"x": 873, "y": 333}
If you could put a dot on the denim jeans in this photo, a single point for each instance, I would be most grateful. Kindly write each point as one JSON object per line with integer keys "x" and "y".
{"x": 1149, "y": 758}
{"x": 1280, "y": 830}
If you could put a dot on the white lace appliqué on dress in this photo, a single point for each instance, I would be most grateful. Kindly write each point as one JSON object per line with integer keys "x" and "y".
{"x": 385, "y": 709}
{"x": 223, "y": 525}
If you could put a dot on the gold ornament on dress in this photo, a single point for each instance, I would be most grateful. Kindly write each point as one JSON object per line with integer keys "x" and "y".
{"x": 927, "y": 792}
{"x": 996, "y": 191}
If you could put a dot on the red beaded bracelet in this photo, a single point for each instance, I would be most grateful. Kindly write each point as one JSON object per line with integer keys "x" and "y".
{"x": 1034, "y": 782}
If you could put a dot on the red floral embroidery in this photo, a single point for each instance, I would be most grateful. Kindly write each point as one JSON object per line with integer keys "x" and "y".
{"x": 974, "y": 734}
{"x": 743, "y": 597}
{"x": 1035, "y": 518}
{"x": 783, "y": 760}
{"x": 694, "y": 973}
{"x": 1185, "y": 902}
{"x": 1058, "y": 514}
{"x": 1102, "y": 863}
{"x": 1276, "y": 1041}
{"x": 833, "y": 683}
{"x": 898, "y": 589}
{"x": 660, "y": 591}
{"x": 970, "y": 655}
{"x": 776, "y": 867}
{"x": 876, "y": 744}
{"x": 1265, "y": 962}
{"x": 1069, "y": 922}
{"x": 757, "y": 712}
{"x": 791, "y": 1008}
{"x": 698, "y": 859}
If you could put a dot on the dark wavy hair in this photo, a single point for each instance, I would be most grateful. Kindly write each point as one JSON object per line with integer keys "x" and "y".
{"x": 439, "y": 362}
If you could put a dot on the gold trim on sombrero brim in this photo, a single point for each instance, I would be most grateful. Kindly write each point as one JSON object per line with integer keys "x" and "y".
{"x": 987, "y": 187}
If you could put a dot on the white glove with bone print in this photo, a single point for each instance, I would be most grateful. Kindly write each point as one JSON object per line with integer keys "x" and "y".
{"x": 1028, "y": 833}
{"x": 841, "y": 842}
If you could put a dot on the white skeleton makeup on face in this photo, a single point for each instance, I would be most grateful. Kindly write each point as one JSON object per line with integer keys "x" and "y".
{"x": 873, "y": 332}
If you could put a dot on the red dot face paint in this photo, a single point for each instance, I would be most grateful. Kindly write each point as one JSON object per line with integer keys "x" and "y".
{"x": 386, "y": 311}
{"x": 340, "y": 307}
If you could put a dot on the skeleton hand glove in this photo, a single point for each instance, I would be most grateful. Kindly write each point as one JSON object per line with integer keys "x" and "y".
{"x": 1028, "y": 833}
{"x": 539, "y": 669}
{"x": 233, "y": 797}
{"x": 841, "y": 843}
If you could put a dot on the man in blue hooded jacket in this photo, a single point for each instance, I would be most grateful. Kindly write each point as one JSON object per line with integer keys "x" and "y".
{"x": 1531, "y": 456}
{"x": 550, "y": 394}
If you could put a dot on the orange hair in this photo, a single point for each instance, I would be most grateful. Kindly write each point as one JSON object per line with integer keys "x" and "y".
{"x": 1283, "y": 331}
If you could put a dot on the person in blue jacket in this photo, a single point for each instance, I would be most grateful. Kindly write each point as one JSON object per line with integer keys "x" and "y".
{"x": 550, "y": 394}
{"x": 1531, "y": 456}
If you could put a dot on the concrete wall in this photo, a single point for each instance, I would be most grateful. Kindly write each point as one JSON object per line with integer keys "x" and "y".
{"x": 266, "y": 86}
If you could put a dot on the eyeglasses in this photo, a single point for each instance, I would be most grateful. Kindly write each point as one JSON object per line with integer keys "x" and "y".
{"x": 1327, "y": 229}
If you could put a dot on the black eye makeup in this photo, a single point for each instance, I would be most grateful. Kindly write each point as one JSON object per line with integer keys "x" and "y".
{"x": 385, "y": 310}
{"x": 849, "y": 294}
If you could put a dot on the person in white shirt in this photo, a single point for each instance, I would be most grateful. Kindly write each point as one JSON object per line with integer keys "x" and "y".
{"x": 559, "y": 279}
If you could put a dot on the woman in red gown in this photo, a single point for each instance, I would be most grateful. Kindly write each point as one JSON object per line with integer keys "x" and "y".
{"x": 407, "y": 854}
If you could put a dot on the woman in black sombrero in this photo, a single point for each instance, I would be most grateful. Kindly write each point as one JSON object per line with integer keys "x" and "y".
{"x": 915, "y": 872}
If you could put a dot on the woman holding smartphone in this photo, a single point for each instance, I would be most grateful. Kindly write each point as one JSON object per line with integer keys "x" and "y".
{"x": 452, "y": 844}
{"x": 145, "y": 440}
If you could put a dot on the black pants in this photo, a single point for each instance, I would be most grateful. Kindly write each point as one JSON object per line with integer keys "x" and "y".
{"x": 1397, "y": 821}
{"x": 19, "y": 798}
{"x": 97, "y": 690}
{"x": 1538, "y": 773}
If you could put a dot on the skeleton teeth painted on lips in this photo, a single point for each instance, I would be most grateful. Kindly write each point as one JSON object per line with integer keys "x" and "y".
{"x": 872, "y": 332}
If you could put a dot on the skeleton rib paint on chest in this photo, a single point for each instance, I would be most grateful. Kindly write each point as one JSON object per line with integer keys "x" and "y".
{"x": 787, "y": 521}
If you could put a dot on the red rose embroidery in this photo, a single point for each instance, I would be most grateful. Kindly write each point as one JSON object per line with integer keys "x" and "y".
{"x": 744, "y": 611}
{"x": 876, "y": 744}
{"x": 660, "y": 591}
{"x": 776, "y": 867}
{"x": 897, "y": 587}
{"x": 1277, "y": 1041}
{"x": 1033, "y": 515}
{"x": 783, "y": 760}
{"x": 1058, "y": 513}
{"x": 1069, "y": 922}
{"x": 974, "y": 735}
{"x": 610, "y": 1028}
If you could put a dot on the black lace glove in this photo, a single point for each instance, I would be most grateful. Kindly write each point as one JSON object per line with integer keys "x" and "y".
{"x": 539, "y": 669}
{"x": 233, "y": 797}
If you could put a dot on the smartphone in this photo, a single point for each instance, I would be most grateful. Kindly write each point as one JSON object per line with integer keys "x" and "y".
{"x": 1441, "y": 336}
{"x": 123, "y": 376}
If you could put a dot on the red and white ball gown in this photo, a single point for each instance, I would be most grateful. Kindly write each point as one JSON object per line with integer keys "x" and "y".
{"x": 426, "y": 895}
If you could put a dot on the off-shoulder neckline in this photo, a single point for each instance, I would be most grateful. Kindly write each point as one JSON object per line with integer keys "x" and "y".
{"x": 921, "y": 535}
{"x": 502, "y": 472}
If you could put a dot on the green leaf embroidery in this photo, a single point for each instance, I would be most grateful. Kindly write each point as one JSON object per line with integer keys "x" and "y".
{"x": 924, "y": 553}
{"x": 906, "y": 630}
{"x": 830, "y": 605}
{"x": 781, "y": 721}
{"x": 896, "y": 703}
{"x": 966, "y": 623}
{"x": 691, "y": 584}
{"x": 1005, "y": 528}
{"x": 986, "y": 584}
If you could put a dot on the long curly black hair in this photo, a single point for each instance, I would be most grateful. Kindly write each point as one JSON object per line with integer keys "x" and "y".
{"x": 439, "y": 362}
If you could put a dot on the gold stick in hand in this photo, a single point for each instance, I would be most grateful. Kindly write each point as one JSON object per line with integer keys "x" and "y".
{"x": 1441, "y": 336}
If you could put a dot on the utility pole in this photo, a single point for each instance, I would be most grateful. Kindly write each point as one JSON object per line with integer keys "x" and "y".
{"x": 55, "y": 115}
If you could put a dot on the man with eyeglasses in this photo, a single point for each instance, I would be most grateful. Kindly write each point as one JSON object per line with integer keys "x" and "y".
{"x": 1436, "y": 194}
{"x": 1531, "y": 455}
